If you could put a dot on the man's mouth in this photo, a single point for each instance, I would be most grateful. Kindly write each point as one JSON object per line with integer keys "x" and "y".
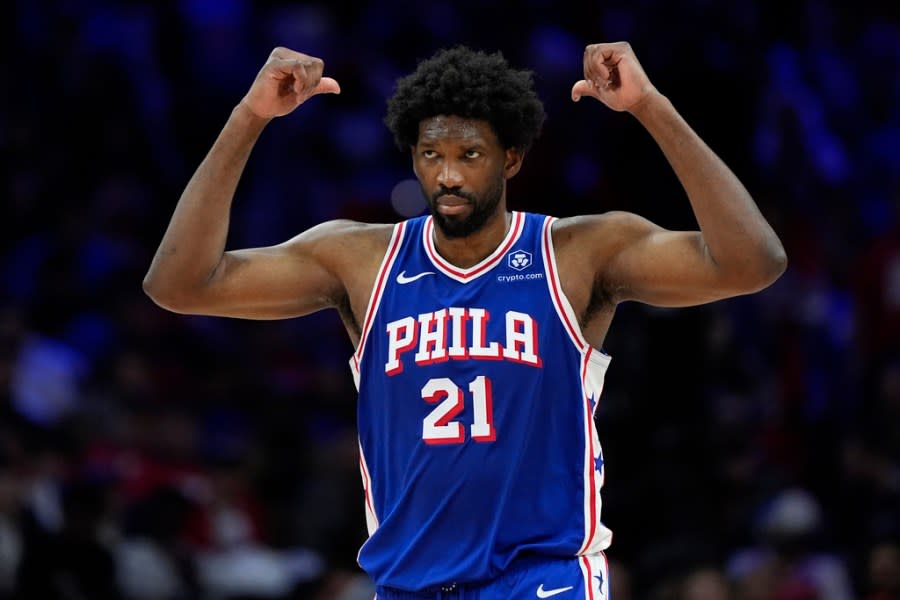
{"x": 452, "y": 200}
{"x": 450, "y": 204}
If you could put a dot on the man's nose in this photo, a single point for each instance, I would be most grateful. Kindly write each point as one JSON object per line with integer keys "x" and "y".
{"x": 449, "y": 174}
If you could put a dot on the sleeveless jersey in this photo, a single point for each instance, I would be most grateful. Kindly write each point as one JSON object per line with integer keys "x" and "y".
{"x": 477, "y": 392}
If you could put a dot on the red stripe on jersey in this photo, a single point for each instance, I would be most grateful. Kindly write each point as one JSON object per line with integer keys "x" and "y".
{"x": 367, "y": 484}
{"x": 557, "y": 287}
{"x": 379, "y": 289}
{"x": 589, "y": 466}
{"x": 590, "y": 576}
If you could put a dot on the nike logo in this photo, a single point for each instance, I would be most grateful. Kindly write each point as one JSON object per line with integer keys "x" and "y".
{"x": 402, "y": 278}
{"x": 542, "y": 593}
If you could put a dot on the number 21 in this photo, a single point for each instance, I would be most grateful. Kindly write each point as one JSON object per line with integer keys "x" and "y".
{"x": 437, "y": 428}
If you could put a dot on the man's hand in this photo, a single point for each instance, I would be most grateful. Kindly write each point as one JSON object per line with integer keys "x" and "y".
{"x": 613, "y": 75}
{"x": 287, "y": 80}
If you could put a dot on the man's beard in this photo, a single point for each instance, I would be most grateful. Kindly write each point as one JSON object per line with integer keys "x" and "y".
{"x": 482, "y": 210}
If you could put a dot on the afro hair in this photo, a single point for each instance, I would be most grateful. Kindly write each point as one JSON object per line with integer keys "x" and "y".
{"x": 471, "y": 84}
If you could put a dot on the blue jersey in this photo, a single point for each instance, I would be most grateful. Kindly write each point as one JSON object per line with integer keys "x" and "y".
{"x": 476, "y": 399}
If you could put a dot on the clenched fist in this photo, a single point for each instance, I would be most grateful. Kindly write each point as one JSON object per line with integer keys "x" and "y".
{"x": 287, "y": 80}
{"x": 613, "y": 75}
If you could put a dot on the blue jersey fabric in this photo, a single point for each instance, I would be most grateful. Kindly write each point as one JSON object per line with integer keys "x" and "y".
{"x": 476, "y": 397}
{"x": 575, "y": 578}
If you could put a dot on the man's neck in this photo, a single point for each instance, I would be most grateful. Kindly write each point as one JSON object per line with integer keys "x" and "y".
{"x": 468, "y": 251}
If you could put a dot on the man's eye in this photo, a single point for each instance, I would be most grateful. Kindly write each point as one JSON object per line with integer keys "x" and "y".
{"x": 472, "y": 153}
{"x": 429, "y": 153}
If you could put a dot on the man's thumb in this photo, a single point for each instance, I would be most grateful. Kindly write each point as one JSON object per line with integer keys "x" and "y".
{"x": 582, "y": 88}
{"x": 327, "y": 85}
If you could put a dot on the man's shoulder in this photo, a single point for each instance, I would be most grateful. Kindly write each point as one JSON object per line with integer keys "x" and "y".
{"x": 610, "y": 224}
{"x": 338, "y": 239}
{"x": 347, "y": 230}
{"x": 351, "y": 227}
{"x": 592, "y": 241}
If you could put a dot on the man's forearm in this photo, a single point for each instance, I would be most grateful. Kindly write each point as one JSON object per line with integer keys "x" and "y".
{"x": 738, "y": 237}
{"x": 194, "y": 241}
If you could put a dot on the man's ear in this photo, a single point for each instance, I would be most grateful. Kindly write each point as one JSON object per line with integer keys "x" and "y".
{"x": 412, "y": 156}
{"x": 514, "y": 158}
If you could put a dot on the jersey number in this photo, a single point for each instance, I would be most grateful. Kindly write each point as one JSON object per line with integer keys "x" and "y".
{"x": 437, "y": 428}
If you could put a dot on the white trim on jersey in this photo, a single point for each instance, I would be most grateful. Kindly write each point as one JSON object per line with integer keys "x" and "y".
{"x": 594, "y": 374}
{"x": 591, "y": 491}
{"x": 387, "y": 263}
{"x": 595, "y": 570}
{"x": 371, "y": 515}
{"x": 563, "y": 308}
{"x": 465, "y": 275}
{"x": 384, "y": 269}
{"x": 593, "y": 370}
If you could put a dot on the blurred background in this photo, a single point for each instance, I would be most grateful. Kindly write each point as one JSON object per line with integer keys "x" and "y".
{"x": 752, "y": 445}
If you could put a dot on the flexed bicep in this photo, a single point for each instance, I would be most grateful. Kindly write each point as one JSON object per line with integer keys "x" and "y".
{"x": 295, "y": 278}
{"x": 269, "y": 283}
{"x": 665, "y": 268}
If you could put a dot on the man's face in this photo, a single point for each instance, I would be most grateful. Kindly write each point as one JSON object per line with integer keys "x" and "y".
{"x": 463, "y": 171}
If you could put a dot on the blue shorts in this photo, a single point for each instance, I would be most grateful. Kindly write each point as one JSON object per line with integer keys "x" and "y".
{"x": 577, "y": 578}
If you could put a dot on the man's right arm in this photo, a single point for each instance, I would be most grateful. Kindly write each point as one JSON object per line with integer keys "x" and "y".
{"x": 192, "y": 273}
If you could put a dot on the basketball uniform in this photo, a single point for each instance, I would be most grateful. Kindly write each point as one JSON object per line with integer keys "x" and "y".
{"x": 479, "y": 456}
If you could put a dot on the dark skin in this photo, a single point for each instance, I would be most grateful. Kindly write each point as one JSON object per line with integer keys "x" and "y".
{"x": 603, "y": 259}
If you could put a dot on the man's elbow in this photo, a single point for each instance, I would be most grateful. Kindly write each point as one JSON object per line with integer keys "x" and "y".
{"x": 776, "y": 261}
{"x": 155, "y": 291}
{"x": 165, "y": 296}
{"x": 768, "y": 267}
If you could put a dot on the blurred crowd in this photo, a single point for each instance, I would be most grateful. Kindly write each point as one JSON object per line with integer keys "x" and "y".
{"x": 752, "y": 445}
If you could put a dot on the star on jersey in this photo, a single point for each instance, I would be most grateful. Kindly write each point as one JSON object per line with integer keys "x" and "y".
{"x": 598, "y": 464}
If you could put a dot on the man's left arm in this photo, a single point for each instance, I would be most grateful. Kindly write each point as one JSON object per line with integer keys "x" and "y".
{"x": 735, "y": 252}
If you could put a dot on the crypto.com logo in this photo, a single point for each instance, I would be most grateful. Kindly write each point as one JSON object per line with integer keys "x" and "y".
{"x": 519, "y": 259}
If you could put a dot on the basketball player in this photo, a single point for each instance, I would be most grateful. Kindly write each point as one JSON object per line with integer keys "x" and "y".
{"x": 476, "y": 328}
